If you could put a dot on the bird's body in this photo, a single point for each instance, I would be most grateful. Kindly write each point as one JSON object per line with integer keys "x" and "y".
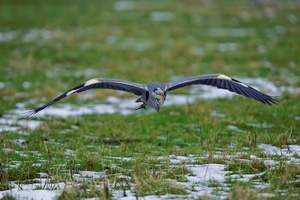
{"x": 154, "y": 94}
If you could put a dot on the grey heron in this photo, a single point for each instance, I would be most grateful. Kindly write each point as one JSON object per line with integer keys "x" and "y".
{"x": 154, "y": 94}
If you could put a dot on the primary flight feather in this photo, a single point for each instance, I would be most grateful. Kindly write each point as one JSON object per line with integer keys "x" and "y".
{"x": 154, "y": 94}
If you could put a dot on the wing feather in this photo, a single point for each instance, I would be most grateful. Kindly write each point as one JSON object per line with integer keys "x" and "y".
{"x": 223, "y": 82}
{"x": 96, "y": 83}
{"x": 214, "y": 82}
{"x": 220, "y": 84}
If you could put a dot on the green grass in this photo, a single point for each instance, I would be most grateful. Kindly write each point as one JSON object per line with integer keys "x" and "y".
{"x": 130, "y": 45}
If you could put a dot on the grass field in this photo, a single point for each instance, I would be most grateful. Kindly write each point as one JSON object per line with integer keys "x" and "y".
{"x": 218, "y": 148}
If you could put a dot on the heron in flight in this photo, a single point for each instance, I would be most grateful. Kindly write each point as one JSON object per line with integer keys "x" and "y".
{"x": 154, "y": 94}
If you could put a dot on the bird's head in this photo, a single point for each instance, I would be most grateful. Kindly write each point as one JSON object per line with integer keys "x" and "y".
{"x": 158, "y": 97}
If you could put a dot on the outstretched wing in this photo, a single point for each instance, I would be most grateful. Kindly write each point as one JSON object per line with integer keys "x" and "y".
{"x": 223, "y": 82}
{"x": 101, "y": 83}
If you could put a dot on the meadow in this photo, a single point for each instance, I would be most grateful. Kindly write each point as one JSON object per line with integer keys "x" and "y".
{"x": 210, "y": 148}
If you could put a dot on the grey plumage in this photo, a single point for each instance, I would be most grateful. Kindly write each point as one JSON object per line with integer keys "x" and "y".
{"x": 154, "y": 94}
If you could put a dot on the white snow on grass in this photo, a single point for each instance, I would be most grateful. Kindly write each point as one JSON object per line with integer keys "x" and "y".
{"x": 124, "y": 5}
{"x": 287, "y": 151}
{"x": 11, "y": 122}
{"x": 35, "y": 194}
{"x": 29, "y": 35}
{"x": 2, "y": 85}
{"x": 230, "y": 32}
{"x": 161, "y": 16}
{"x": 207, "y": 172}
{"x": 43, "y": 190}
{"x": 203, "y": 180}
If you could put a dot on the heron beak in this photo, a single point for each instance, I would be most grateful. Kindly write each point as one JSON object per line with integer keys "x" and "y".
{"x": 162, "y": 96}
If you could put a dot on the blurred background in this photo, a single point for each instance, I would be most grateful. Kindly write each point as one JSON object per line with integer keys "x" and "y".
{"x": 47, "y": 47}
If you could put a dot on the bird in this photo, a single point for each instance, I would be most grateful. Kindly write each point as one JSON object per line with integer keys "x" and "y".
{"x": 154, "y": 94}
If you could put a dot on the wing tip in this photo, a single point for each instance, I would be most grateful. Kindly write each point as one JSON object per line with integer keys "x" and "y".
{"x": 29, "y": 113}
{"x": 274, "y": 101}
{"x": 270, "y": 100}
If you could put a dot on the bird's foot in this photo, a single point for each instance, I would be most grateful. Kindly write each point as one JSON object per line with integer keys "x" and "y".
{"x": 141, "y": 106}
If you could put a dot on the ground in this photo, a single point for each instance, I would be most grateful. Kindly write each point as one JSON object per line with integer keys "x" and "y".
{"x": 205, "y": 143}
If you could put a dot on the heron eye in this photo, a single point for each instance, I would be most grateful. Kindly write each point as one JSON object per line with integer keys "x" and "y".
{"x": 157, "y": 93}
